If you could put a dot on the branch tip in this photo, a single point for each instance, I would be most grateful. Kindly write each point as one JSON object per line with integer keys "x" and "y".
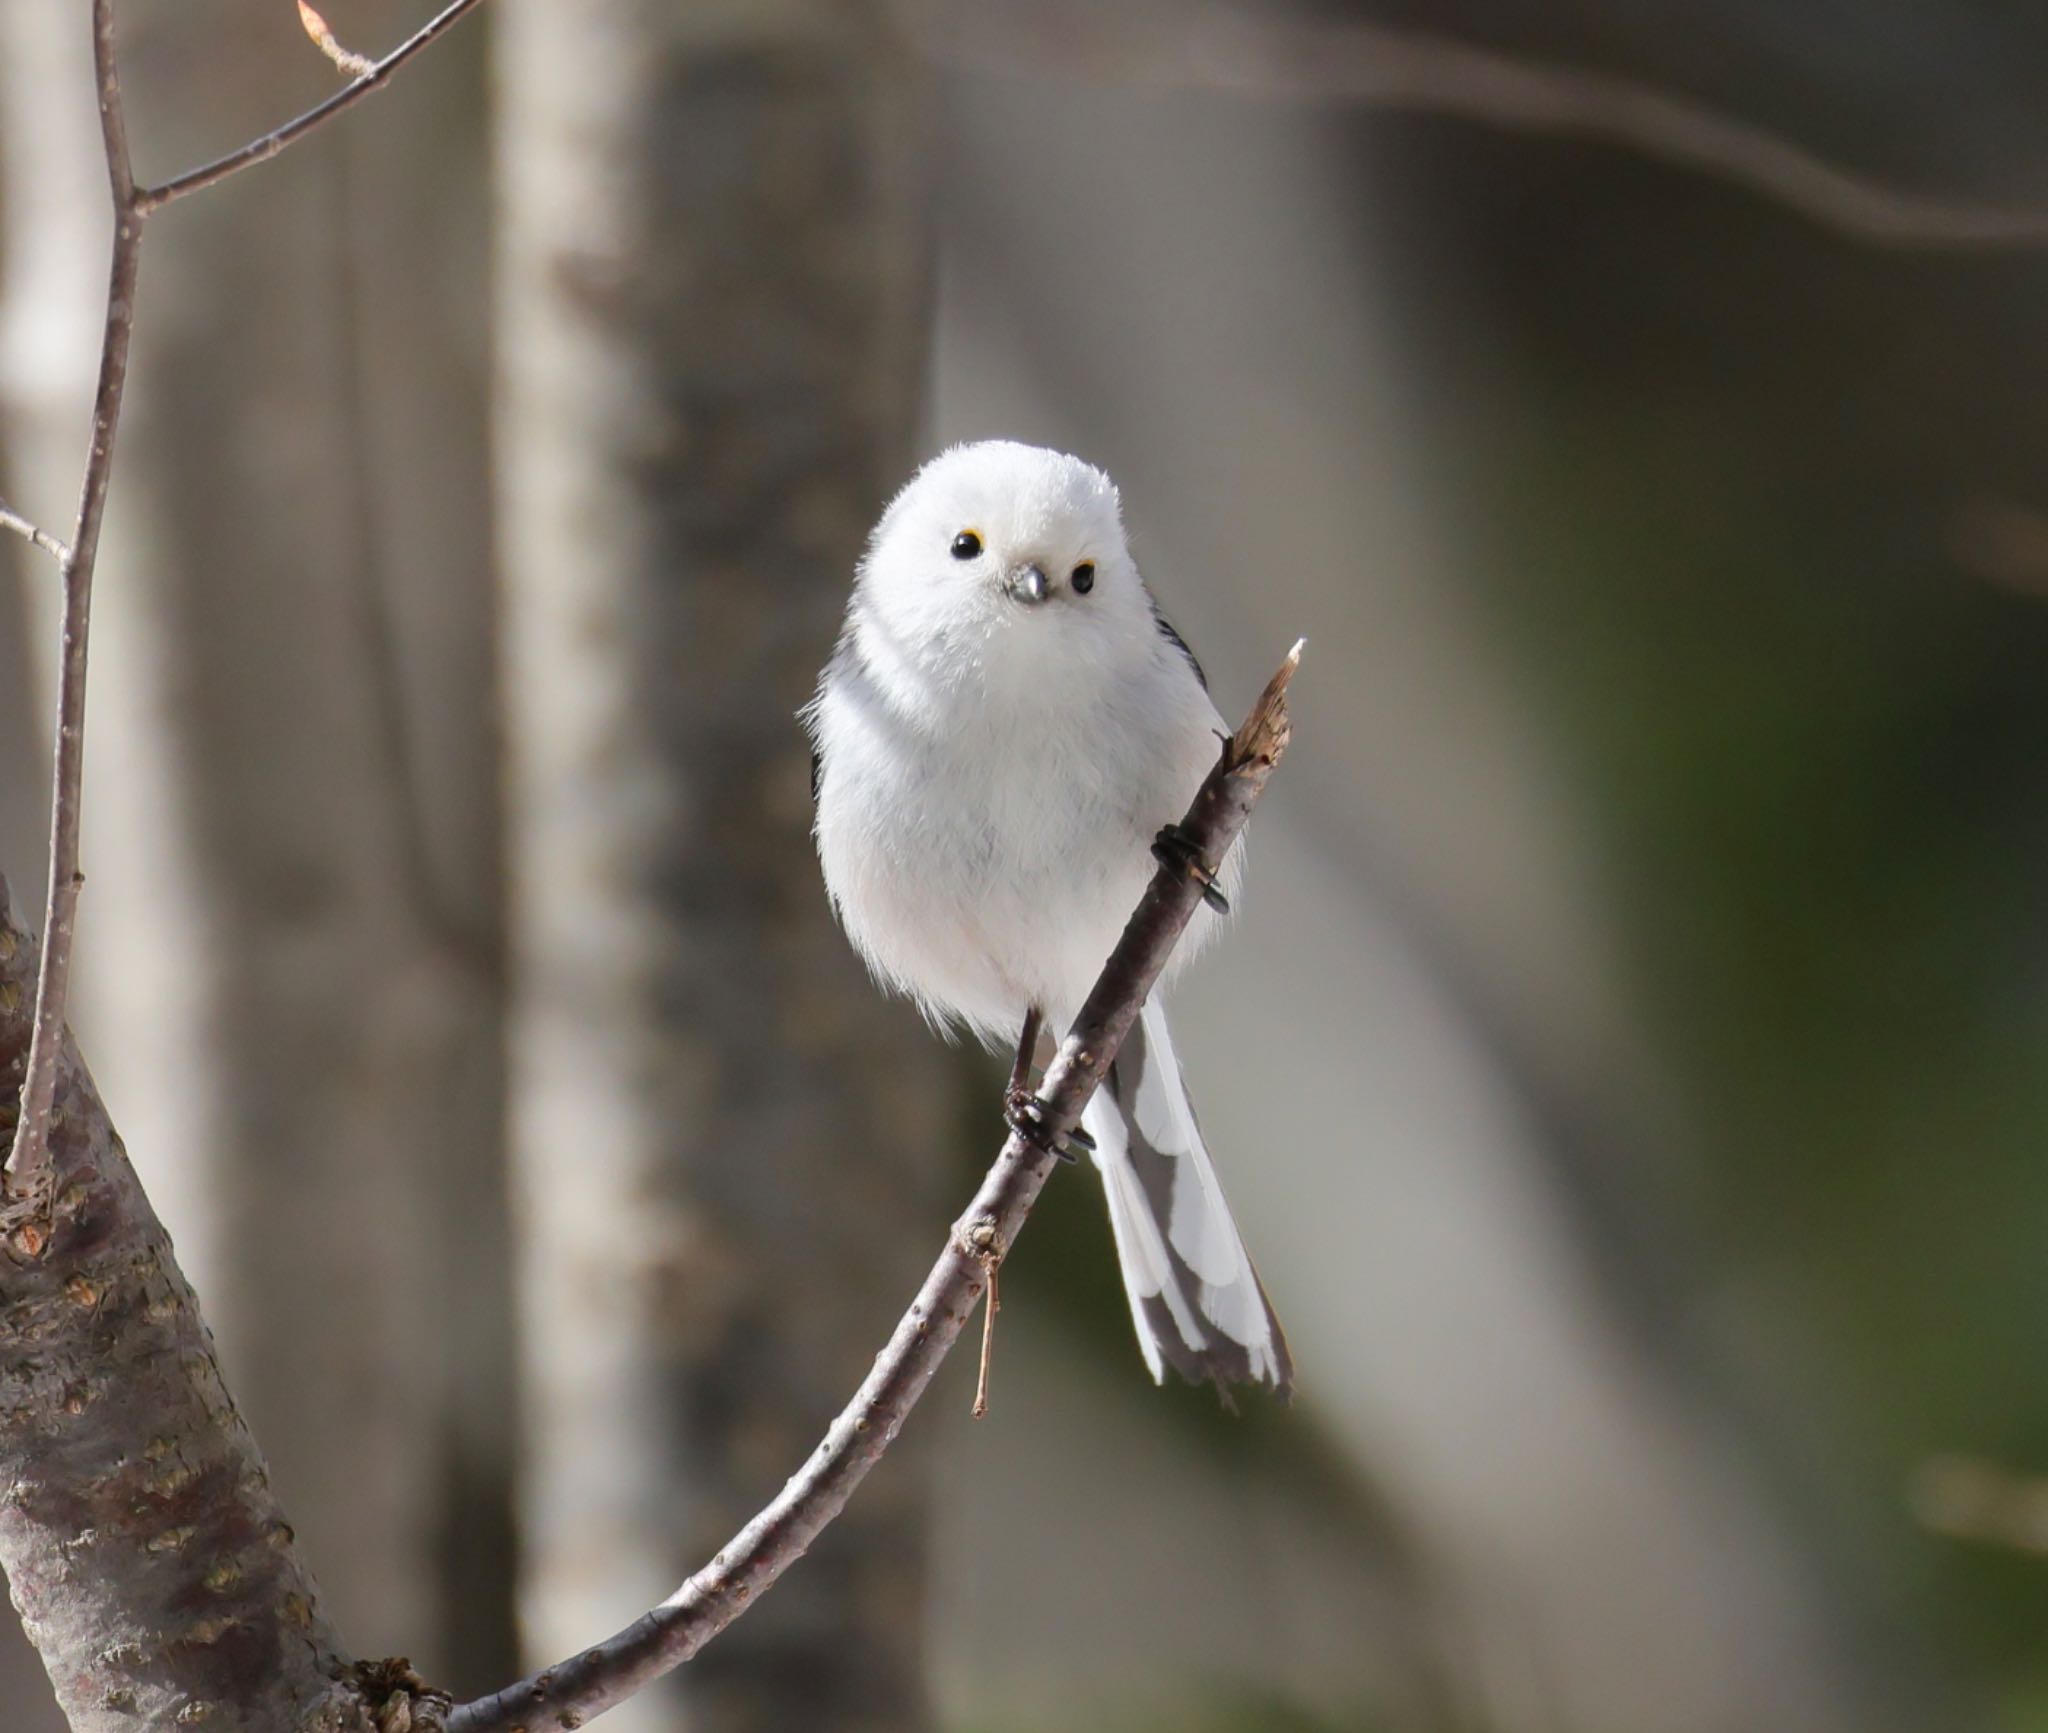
{"x": 1267, "y": 729}
{"x": 315, "y": 26}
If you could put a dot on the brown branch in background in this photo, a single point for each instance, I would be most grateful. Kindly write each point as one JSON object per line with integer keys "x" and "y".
{"x": 31, "y": 532}
{"x": 1968, "y": 1498}
{"x": 1256, "y": 54}
{"x": 271, "y": 143}
{"x": 987, "y": 1250}
{"x": 571, "y": 1692}
{"x": 2003, "y": 542}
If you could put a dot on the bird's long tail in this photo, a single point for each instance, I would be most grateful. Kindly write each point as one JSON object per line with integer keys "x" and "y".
{"x": 1195, "y": 1298}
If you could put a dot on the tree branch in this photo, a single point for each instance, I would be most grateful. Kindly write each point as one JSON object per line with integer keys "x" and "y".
{"x": 271, "y": 143}
{"x": 28, "y": 531}
{"x": 571, "y": 1692}
{"x": 1232, "y": 49}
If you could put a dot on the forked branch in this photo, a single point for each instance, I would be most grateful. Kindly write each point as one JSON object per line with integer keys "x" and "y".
{"x": 27, "y": 1167}
{"x": 28, "y": 1161}
{"x": 571, "y": 1692}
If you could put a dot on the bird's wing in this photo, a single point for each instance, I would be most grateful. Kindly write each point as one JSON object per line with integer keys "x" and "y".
{"x": 1167, "y": 632}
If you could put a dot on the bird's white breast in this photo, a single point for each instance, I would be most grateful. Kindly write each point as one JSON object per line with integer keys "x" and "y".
{"x": 985, "y": 852}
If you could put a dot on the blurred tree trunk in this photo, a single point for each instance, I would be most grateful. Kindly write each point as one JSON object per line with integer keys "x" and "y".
{"x": 709, "y": 326}
{"x": 23, "y": 1686}
{"x": 290, "y": 787}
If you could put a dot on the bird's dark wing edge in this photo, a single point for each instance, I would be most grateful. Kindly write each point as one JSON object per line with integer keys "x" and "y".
{"x": 1167, "y": 632}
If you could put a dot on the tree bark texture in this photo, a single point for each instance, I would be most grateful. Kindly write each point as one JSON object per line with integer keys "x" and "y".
{"x": 707, "y": 350}
{"x": 145, "y": 1551}
{"x": 287, "y": 948}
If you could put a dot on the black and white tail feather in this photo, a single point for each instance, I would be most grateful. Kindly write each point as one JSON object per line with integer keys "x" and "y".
{"x": 1196, "y": 1300}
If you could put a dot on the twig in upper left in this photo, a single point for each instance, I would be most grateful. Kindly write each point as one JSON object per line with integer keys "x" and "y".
{"x": 28, "y": 1162}
{"x": 27, "y": 1166}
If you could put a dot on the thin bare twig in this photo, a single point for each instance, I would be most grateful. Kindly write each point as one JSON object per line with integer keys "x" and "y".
{"x": 28, "y": 1160}
{"x": 32, "y": 532}
{"x": 271, "y": 143}
{"x": 1232, "y": 49}
{"x": 571, "y": 1692}
{"x": 988, "y": 1252}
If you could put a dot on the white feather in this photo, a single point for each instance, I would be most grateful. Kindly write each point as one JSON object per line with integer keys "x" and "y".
{"x": 1200, "y": 1225}
{"x": 1140, "y": 1249}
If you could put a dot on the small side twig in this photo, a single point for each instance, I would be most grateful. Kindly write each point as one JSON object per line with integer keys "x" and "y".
{"x": 354, "y": 64}
{"x": 574, "y": 1690}
{"x": 32, "y": 532}
{"x": 271, "y": 143}
{"x": 28, "y": 1160}
{"x": 986, "y": 1247}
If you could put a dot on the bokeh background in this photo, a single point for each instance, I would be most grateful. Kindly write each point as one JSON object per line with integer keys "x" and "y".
{"x": 1631, "y": 1064}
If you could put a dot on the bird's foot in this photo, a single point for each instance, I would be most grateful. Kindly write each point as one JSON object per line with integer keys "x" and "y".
{"x": 1175, "y": 850}
{"x": 1025, "y": 1114}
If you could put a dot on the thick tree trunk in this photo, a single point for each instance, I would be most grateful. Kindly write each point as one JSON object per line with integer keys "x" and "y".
{"x": 706, "y": 346}
{"x": 287, "y": 945}
{"x": 145, "y": 1551}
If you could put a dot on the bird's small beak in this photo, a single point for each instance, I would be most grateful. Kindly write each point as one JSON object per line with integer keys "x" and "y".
{"x": 1030, "y": 584}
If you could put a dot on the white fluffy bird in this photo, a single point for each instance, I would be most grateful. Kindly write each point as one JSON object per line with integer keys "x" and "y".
{"x": 1006, "y": 731}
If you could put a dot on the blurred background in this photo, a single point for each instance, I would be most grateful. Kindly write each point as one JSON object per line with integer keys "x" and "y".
{"x": 1629, "y": 1064}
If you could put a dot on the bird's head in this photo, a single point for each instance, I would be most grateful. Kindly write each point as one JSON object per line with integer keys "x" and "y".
{"x": 1005, "y": 558}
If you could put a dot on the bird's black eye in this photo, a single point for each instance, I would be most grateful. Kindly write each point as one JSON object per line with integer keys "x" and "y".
{"x": 966, "y": 545}
{"x": 1083, "y": 579}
